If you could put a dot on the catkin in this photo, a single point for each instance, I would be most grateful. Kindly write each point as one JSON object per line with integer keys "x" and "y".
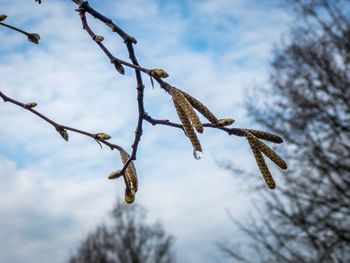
{"x": 130, "y": 173}
{"x": 200, "y": 107}
{"x": 270, "y": 182}
{"x": 266, "y": 136}
{"x": 189, "y": 131}
{"x": 129, "y": 196}
{"x": 187, "y": 108}
{"x": 271, "y": 154}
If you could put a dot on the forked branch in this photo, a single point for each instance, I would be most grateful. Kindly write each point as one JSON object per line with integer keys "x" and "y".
{"x": 186, "y": 107}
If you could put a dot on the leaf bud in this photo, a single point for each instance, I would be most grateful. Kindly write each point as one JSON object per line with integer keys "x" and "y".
{"x": 119, "y": 67}
{"x": 64, "y": 134}
{"x": 31, "y": 105}
{"x": 34, "y": 38}
{"x": 99, "y": 38}
{"x": 159, "y": 73}
{"x": 103, "y": 136}
{"x": 2, "y": 18}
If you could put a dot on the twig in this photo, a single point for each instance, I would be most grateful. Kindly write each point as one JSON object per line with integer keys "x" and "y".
{"x": 57, "y": 126}
{"x": 32, "y": 37}
{"x": 15, "y": 28}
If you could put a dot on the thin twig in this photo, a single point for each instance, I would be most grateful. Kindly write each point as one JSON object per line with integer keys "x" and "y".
{"x": 15, "y": 28}
{"x": 241, "y": 132}
{"x": 56, "y": 125}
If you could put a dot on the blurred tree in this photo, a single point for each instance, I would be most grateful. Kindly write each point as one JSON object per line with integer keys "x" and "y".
{"x": 127, "y": 239}
{"x": 307, "y": 218}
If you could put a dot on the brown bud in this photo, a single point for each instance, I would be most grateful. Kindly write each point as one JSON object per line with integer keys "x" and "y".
{"x": 31, "y": 105}
{"x": 99, "y": 38}
{"x": 64, "y": 134}
{"x": 119, "y": 67}
{"x": 2, "y": 18}
{"x": 34, "y": 38}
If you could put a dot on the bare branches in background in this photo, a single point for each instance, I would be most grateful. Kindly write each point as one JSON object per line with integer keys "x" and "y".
{"x": 128, "y": 238}
{"x": 308, "y": 218}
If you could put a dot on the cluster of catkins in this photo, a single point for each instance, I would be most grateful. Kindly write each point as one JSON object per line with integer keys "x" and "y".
{"x": 258, "y": 147}
{"x": 130, "y": 177}
{"x": 186, "y": 107}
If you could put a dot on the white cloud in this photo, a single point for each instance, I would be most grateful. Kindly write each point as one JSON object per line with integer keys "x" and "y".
{"x": 41, "y": 211}
{"x": 58, "y": 191}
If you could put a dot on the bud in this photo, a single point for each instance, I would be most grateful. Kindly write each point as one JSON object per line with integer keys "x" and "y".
{"x": 159, "y": 73}
{"x": 64, "y": 134}
{"x": 225, "y": 122}
{"x": 103, "y": 136}
{"x": 114, "y": 175}
{"x": 31, "y": 105}
{"x": 2, "y": 18}
{"x": 34, "y": 38}
{"x": 99, "y": 38}
{"x": 119, "y": 67}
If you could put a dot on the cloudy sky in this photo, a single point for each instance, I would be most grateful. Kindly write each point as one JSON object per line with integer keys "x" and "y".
{"x": 54, "y": 192}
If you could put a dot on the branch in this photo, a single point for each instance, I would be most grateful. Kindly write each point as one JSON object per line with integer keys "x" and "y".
{"x": 32, "y": 37}
{"x": 61, "y": 129}
{"x": 186, "y": 107}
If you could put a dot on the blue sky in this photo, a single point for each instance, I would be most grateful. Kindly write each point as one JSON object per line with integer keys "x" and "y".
{"x": 54, "y": 192}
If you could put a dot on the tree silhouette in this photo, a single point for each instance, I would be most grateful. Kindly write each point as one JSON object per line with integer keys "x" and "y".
{"x": 128, "y": 238}
{"x": 308, "y": 218}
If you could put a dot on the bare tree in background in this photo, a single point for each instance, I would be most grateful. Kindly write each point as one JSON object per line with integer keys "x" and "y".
{"x": 307, "y": 219}
{"x": 127, "y": 239}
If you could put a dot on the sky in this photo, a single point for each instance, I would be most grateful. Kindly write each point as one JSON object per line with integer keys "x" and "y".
{"x": 54, "y": 192}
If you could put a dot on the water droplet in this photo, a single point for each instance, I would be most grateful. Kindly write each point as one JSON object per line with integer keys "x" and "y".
{"x": 197, "y": 154}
